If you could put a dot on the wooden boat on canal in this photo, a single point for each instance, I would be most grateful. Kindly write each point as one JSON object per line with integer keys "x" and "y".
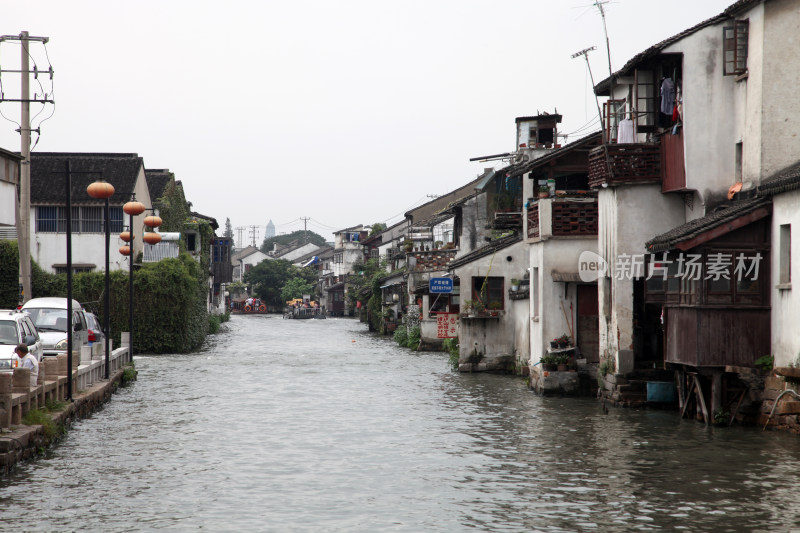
{"x": 248, "y": 306}
{"x": 303, "y": 309}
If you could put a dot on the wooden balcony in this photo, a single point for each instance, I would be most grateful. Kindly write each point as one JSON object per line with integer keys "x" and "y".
{"x": 627, "y": 164}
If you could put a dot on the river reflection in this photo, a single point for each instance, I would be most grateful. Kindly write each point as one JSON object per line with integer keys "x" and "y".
{"x": 289, "y": 425}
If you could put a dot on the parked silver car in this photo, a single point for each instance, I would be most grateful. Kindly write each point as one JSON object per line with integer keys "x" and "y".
{"x": 49, "y": 315}
{"x": 16, "y": 328}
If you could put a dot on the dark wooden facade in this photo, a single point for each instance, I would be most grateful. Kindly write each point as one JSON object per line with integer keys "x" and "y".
{"x": 712, "y": 322}
{"x": 672, "y": 162}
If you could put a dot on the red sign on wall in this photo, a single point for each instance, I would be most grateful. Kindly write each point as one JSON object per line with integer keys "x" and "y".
{"x": 447, "y": 325}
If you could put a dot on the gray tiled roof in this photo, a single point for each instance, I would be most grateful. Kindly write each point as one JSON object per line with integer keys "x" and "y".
{"x": 157, "y": 181}
{"x": 48, "y": 174}
{"x": 491, "y": 247}
{"x": 726, "y": 213}
{"x": 785, "y": 180}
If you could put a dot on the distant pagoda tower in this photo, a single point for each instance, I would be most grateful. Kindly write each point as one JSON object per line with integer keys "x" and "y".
{"x": 270, "y": 230}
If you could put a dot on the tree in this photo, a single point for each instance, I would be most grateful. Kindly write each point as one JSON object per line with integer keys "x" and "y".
{"x": 229, "y": 232}
{"x": 296, "y": 288}
{"x": 314, "y": 238}
{"x": 377, "y": 227}
{"x": 270, "y": 276}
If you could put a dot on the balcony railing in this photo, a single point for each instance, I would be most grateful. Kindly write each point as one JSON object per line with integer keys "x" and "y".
{"x": 563, "y": 217}
{"x": 533, "y": 221}
{"x": 627, "y": 164}
{"x": 575, "y": 218}
{"x": 433, "y": 260}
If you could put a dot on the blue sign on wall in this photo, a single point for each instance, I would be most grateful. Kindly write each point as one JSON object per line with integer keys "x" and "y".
{"x": 441, "y": 285}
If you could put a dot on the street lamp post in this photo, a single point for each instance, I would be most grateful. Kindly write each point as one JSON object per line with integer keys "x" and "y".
{"x": 103, "y": 190}
{"x": 132, "y": 209}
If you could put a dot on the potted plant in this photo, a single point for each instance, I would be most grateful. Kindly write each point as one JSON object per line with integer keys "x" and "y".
{"x": 514, "y": 284}
{"x": 479, "y": 306}
{"x": 564, "y": 341}
{"x": 544, "y": 191}
{"x": 494, "y": 308}
{"x": 562, "y": 361}
{"x": 468, "y": 309}
{"x": 548, "y": 362}
{"x": 554, "y": 344}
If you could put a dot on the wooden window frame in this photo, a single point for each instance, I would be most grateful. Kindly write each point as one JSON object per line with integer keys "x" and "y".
{"x": 734, "y": 48}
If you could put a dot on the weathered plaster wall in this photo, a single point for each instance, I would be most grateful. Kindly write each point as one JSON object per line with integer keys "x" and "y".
{"x": 8, "y": 203}
{"x": 627, "y": 221}
{"x": 557, "y": 308}
{"x": 780, "y": 136}
{"x": 494, "y": 337}
{"x": 785, "y": 302}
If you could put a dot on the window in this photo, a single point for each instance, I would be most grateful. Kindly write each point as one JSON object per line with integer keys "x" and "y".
{"x": 492, "y": 295}
{"x": 90, "y": 222}
{"x": 115, "y": 219}
{"x": 738, "y": 163}
{"x": 50, "y": 219}
{"x": 734, "y": 44}
{"x": 85, "y": 219}
{"x": 338, "y": 257}
{"x": 191, "y": 242}
{"x": 614, "y": 111}
{"x": 785, "y": 255}
{"x": 62, "y": 269}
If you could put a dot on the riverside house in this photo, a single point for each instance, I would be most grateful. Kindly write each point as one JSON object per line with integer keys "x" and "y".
{"x": 695, "y": 125}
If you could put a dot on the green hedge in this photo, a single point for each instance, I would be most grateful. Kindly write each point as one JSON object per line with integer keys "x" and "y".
{"x": 169, "y": 297}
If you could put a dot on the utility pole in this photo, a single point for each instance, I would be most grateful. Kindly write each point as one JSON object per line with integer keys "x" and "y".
{"x": 23, "y": 212}
{"x": 253, "y": 233}
{"x": 239, "y": 231}
{"x": 305, "y": 227}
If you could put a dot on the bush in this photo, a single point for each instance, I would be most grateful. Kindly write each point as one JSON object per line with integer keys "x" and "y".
{"x": 214, "y": 322}
{"x": 414, "y": 337}
{"x": 451, "y": 347}
{"x": 40, "y": 417}
{"x": 401, "y": 335}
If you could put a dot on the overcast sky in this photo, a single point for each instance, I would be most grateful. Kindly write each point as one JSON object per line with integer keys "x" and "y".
{"x": 348, "y": 112}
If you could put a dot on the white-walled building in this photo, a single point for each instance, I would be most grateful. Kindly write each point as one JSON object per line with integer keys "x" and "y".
{"x": 125, "y": 172}
{"x": 9, "y": 176}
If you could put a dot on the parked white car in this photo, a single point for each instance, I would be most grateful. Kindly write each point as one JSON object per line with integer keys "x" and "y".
{"x": 16, "y": 328}
{"x": 49, "y": 315}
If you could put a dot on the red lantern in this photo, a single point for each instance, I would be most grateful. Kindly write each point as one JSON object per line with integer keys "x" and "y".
{"x": 153, "y": 221}
{"x": 100, "y": 190}
{"x": 133, "y": 208}
{"x": 125, "y": 250}
{"x": 126, "y": 236}
{"x": 151, "y": 237}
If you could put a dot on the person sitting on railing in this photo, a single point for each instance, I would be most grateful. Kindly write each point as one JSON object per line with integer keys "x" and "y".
{"x": 28, "y": 360}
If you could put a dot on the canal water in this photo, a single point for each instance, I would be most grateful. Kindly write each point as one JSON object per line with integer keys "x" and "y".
{"x": 316, "y": 425}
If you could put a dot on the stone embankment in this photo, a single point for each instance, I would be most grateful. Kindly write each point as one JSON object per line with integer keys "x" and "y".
{"x": 20, "y": 442}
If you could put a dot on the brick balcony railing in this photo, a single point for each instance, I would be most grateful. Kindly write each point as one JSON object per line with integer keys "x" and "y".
{"x": 568, "y": 217}
{"x": 630, "y": 163}
{"x": 575, "y": 218}
{"x": 433, "y": 260}
{"x": 533, "y": 221}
